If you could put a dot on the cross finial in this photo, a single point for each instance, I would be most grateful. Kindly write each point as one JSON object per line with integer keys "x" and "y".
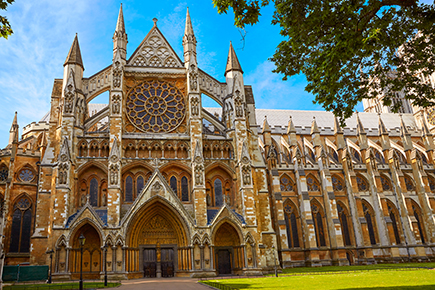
{"x": 155, "y": 21}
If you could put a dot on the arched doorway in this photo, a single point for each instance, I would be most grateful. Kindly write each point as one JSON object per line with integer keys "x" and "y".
{"x": 91, "y": 253}
{"x": 229, "y": 254}
{"x": 157, "y": 243}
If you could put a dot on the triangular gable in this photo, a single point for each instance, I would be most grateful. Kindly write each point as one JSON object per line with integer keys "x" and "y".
{"x": 155, "y": 51}
{"x": 226, "y": 211}
{"x": 87, "y": 211}
{"x": 157, "y": 187}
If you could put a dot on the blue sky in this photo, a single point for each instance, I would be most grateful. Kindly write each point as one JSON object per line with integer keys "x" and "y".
{"x": 44, "y": 30}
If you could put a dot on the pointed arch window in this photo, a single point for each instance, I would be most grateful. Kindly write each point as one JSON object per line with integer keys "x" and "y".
{"x": 379, "y": 157}
{"x": 356, "y": 156}
{"x": 369, "y": 219}
{"x": 431, "y": 184}
{"x": 344, "y": 225}
{"x": 394, "y": 221}
{"x": 418, "y": 218}
{"x": 313, "y": 184}
{"x": 174, "y": 184}
{"x": 291, "y": 226}
{"x": 318, "y": 225}
{"x": 337, "y": 183}
{"x": 185, "y": 189}
{"x": 93, "y": 192}
{"x": 218, "y": 196}
{"x": 21, "y": 226}
{"x": 3, "y": 173}
{"x": 361, "y": 183}
{"x": 129, "y": 189}
{"x": 409, "y": 183}
{"x": 386, "y": 185}
{"x": 139, "y": 185}
{"x": 286, "y": 184}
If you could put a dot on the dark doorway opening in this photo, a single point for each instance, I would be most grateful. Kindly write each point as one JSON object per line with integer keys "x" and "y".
{"x": 167, "y": 262}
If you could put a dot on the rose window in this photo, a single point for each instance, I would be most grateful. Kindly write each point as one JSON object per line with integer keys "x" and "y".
{"x": 26, "y": 175}
{"x": 155, "y": 107}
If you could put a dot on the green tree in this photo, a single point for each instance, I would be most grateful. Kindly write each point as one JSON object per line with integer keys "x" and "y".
{"x": 351, "y": 50}
{"x": 5, "y": 27}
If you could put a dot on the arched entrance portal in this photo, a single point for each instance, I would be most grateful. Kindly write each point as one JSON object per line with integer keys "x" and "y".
{"x": 157, "y": 243}
{"x": 91, "y": 253}
{"x": 229, "y": 254}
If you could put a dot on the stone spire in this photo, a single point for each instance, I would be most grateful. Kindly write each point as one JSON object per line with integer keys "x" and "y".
{"x": 232, "y": 61}
{"x": 314, "y": 127}
{"x": 120, "y": 37}
{"x": 337, "y": 127}
{"x": 188, "y": 30}
{"x": 13, "y": 133}
{"x": 189, "y": 42}
{"x": 74, "y": 55}
{"x": 120, "y": 27}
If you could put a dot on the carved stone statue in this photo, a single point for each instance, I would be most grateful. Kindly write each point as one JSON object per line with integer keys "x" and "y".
{"x": 117, "y": 74}
{"x": 195, "y": 106}
{"x": 104, "y": 200}
{"x": 198, "y": 175}
{"x": 83, "y": 200}
{"x": 246, "y": 172}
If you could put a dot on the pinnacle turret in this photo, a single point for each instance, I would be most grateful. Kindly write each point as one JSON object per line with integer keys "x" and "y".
{"x": 232, "y": 61}
{"x": 403, "y": 127}
{"x": 120, "y": 27}
{"x": 359, "y": 125}
{"x": 291, "y": 127}
{"x": 188, "y": 30}
{"x": 382, "y": 129}
{"x": 74, "y": 55}
{"x": 314, "y": 127}
{"x": 337, "y": 127}
{"x": 120, "y": 37}
{"x": 266, "y": 127}
{"x": 13, "y": 133}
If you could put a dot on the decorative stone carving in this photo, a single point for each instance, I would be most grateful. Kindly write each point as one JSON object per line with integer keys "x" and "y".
{"x": 238, "y": 103}
{"x": 199, "y": 171}
{"x": 116, "y": 104}
{"x": 246, "y": 174}
{"x": 83, "y": 200}
{"x": 63, "y": 173}
{"x": 324, "y": 158}
{"x": 104, "y": 200}
{"x": 194, "y": 103}
{"x": 69, "y": 94}
{"x": 117, "y": 74}
{"x": 156, "y": 188}
{"x": 114, "y": 174}
{"x": 193, "y": 78}
{"x": 349, "y": 161}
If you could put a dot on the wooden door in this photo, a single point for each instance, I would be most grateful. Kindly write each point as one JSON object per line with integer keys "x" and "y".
{"x": 224, "y": 262}
{"x": 167, "y": 262}
{"x": 149, "y": 263}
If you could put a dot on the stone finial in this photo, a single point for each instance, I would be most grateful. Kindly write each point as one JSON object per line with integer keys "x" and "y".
{"x": 74, "y": 55}
{"x": 155, "y": 21}
{"x": 266, "y": 127}
{"x": 232, "y": 61}
{"x": 314, "y": 127}
{"x": 403, "y": 127}
{"x": 13, "y": 133}
{"x": 425, "y": 128}
{"x": 382, "y": 129}
{"x": 359, "y": 125}
{"x": 291, "y": 127}
{"x": 337, "y": 127}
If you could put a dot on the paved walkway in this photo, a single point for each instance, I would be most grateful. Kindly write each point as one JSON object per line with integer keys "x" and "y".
{"x": 162, "y": 283}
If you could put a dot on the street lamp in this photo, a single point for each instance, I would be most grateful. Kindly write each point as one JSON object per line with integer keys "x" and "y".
{"x": 105, "y": 264}
{"x": 82, "y": 240}
{"x": 50, "y": 252}
{"x": 274, "y": 256}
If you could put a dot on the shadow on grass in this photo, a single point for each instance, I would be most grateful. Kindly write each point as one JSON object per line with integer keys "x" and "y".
{"x": 419, "y": 287}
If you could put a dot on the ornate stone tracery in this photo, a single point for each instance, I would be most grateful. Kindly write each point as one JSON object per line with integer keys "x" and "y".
{"x": 155, "y": 107}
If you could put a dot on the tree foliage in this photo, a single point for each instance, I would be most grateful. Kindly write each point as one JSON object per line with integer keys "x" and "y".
{"x": 5, "y": 27}
{"x": 351, "y": 50}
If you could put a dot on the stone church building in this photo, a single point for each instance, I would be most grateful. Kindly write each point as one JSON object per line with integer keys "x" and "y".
{"x": 161, "y": 186}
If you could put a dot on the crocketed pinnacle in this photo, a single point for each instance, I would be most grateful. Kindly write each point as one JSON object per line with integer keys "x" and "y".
{"x": 120, "y": 27}
{"x": 337, "y": 127}
{"x": 403, "y": 127}
{"x": 359, "y": 125}
{"x": 266, "y": 127}
{"x": 74, "y": 55}
{"x": 291, "y": 127}
{"x": 314, "y": 127}
{"x": 382, "y": 128}
{"x": 188, "y": 30}
{"x": 232, "y": 61}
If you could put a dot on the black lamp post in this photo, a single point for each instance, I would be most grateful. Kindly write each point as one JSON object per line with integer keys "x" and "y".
{"x": 82, "y": 240}
{"x": 105, "y": 264}
{"x": 50, "y": 252}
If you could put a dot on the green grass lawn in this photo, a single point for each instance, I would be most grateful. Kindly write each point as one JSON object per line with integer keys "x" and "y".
{"x": 386, "y": 276}
{"x": 68, "y": 285}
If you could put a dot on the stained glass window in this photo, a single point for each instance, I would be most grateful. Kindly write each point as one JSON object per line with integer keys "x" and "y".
{"x": 21, "y": 227}
{"x": 129, "y": 189}
{"x": 362, "y": 184}
{"x": 185, "y": 189}
{"x": 419, "y": 225}
{"x": 431, "y": 184}
{"x": 218, "y": 197}
{"x": 173, "y": 184}
{"x": 3, "y": 174}
{"x": 394, "y": 223}
{"x": 409, "y": 184}
{"x": 285, "y": 184}
{"x": 93, "y": 192}
{"x": 291, "y": 227}
{"x": 379, "y": 157}
{"x": 26, "y": 175}
{"x": 318, "y": 226}
{"x": 337, "y": 185}
{"x": 370, "y": 227}
{"x": 386, "y": 185}
{"x": 139, "y": 185}
{"x": 312, "y": 184}
{"x": 344, "y": 225}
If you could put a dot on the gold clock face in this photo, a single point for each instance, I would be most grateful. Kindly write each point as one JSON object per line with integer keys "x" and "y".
{"x": 431, "y": 116}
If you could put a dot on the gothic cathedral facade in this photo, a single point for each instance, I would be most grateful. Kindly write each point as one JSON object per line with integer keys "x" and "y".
{"x": 160, "y": 186}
